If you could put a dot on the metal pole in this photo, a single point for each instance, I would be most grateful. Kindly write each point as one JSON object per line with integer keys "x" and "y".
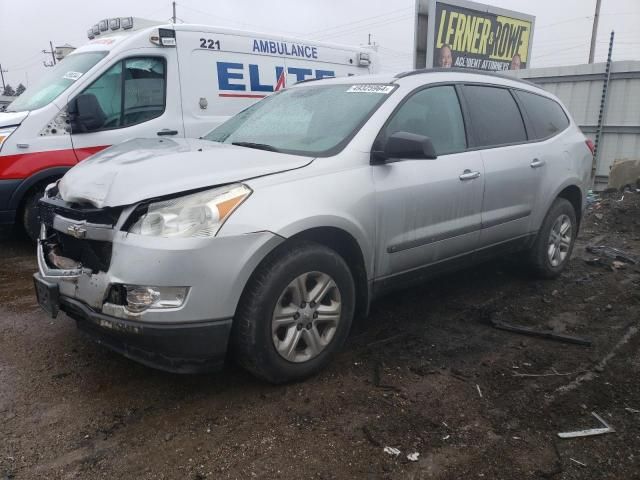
{"x": 173, "y": 19}
{"x": 594, "y": 31}
{"x": 603, "y": 107}
{"x": 53, "y": 54}
{"x": 2, "y": 75}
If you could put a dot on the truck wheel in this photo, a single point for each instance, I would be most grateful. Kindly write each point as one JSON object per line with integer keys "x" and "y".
{"x": 295, "y": 313}
{"x": 31, "y": 213}
{"x": 554, "y": 243}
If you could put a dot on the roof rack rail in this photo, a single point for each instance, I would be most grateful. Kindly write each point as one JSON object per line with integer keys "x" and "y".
{"x": 311, "y": 80}
{"x": 463, "y": 70}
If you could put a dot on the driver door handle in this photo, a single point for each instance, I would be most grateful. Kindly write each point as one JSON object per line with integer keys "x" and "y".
{"x": 167, "y": 132}
{"x": 469, "y": 175}
{"x": 536, "y": 163}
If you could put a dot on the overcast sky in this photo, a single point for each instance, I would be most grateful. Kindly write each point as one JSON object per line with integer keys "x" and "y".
{"x": 561, "y": 36}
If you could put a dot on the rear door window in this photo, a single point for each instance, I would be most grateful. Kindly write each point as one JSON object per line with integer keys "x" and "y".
{"x": 495, "y": 116}
{"x": 545, "y": 115}
{"x": 435, "y": 113}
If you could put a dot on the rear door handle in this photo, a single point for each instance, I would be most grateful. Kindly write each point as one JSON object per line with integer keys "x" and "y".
{"x": 536, "y": 163}
{"x": 469, "y": 175}
{"x": 167, "y": 132}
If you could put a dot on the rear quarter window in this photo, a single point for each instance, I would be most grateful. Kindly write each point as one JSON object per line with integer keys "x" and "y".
{"x": 495, "y": 116}
{"x": 546, "y": 116}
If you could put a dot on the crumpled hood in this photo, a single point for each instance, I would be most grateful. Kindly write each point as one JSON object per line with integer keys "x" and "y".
{"x": 9, "y": 119}
{"x": 141, "y": 169}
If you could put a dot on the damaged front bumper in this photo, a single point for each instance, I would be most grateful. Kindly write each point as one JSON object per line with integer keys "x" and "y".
{"x": 177, "y": 347}
{"x": 81, "y": 274}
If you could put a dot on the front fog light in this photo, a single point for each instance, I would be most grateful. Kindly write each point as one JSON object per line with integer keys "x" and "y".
{"x": 140, "y": 298}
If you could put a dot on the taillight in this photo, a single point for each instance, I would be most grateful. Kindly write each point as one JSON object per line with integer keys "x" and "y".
{"x": 591, "y": 146}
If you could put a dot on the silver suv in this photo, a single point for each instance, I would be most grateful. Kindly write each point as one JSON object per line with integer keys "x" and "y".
{"x": 270, "y": 233}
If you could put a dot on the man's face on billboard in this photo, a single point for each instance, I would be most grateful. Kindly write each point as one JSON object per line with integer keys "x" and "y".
{"x": 515, "y": 62}
{"x": 445, "y": 60}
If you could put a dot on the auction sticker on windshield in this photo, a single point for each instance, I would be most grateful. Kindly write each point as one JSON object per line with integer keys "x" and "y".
{"x": 369, "y": 88}
{"x": 72, "y": 76}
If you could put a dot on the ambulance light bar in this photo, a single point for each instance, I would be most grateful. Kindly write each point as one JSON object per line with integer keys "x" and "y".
{"x": 125, "y": 23}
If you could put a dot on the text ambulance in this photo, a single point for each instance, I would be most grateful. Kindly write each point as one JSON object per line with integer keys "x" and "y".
{"x": 137, "y": 78}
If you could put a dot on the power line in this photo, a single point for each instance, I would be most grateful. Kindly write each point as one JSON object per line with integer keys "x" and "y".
{"x": 261, "y": 27}
{"x": 364, "y": 27}
{"x": 582, "y": 17}
{"x": 340, "y": 26}
{"x": 559, "y": 51}
{"x": 28, "y": 59}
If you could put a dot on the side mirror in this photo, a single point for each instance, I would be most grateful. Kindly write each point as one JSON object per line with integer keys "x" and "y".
{"x": 404, "y": 145}
{"x": 85, "y": 113}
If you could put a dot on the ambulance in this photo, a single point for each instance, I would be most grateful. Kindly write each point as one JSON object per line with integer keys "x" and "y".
{"x": 137, "y": 78}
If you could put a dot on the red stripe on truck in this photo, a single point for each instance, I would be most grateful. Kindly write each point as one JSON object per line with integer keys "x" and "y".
{"x": 82, "y": 153}
{"x": 23, "y": 165}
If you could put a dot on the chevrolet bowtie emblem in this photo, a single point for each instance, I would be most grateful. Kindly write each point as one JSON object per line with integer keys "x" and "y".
{"x": 77, "y": 231}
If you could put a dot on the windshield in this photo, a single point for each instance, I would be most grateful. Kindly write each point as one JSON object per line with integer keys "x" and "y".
{"x": 313, "y": 120}
{"x": 55, "y": 81}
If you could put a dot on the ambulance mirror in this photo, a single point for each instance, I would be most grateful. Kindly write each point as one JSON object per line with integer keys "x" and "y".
{"x": 85, "y": 114}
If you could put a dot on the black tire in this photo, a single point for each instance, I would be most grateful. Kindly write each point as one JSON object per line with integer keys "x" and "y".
{"x": 539, "y": 253}
{"x": 30, "y": 214}
{"x": 252, "y": 340}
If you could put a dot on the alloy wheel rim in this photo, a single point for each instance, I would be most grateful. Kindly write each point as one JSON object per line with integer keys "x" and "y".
{"x": 306, "y": 316}
{"x": 560, "y": 238}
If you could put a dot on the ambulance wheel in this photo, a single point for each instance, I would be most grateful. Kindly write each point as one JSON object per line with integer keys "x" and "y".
{"x": 30, "y": 214}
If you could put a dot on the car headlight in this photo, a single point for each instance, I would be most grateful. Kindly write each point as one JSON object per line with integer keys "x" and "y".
{"x": 196, "y": 215}
{"x": 5, "y": 133}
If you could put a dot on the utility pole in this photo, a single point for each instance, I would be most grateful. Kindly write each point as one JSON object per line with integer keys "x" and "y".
{"x": 173, "y": 18}
{"x": 53, "y": 55}
{"x": 594, "y": 31}
{"x": 369, "y": 40}
{"x": 2, "y": 72}
{"x": 53, "y": 52}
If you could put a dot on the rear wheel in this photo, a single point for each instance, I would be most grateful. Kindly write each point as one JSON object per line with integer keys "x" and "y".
{"x": 295, "y": 313}
{"x": 554, "y": 242}
{"x": 30, "y": 214}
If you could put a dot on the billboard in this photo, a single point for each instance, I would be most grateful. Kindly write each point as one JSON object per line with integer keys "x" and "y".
{"x": 463, "y": 34}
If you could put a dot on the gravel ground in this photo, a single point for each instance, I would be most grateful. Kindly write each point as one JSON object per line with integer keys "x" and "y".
{"x": 426, "y": 373}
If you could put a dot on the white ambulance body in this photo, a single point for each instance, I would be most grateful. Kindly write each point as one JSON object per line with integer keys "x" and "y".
{"x": 136, "y": 78}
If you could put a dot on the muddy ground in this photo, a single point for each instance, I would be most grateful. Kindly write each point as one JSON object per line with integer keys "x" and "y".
{"x": 426, "y": 373}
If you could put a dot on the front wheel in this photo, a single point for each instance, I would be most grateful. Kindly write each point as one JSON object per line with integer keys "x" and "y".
{"x": 295, "y": 313}
{"x": 554, "y": 243}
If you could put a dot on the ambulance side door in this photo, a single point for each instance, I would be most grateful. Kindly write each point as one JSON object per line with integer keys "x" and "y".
{"x": 137, "y": 96}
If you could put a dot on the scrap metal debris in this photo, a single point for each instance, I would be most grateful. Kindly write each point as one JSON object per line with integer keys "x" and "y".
{"x": 540, "y": 333}
{"x": 394, "y": 452}
{"x": 591, "y": 431}
{"x": 554, "y": 374}
{"x": 612, "y": 253}
{"x": 578, "y": 462}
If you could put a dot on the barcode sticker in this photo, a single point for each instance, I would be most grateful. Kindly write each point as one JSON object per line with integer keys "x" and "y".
{"x": 370, "y": 88}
